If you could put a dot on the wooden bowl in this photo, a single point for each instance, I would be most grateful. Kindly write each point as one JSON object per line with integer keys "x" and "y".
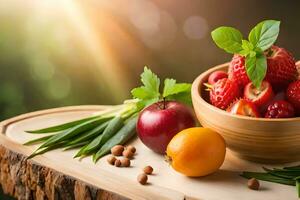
{"x": 255, "y": 139}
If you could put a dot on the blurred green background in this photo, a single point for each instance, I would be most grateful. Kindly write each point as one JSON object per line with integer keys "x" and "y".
{"x": 59, "y": 53}
{"x": 62, "y": 52}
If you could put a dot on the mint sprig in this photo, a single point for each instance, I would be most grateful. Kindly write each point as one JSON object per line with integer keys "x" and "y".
{"x": 264, "y": 34}
{"x": 260, "y": 39}
{"x": 149, "y": 92}
{"x": 228, "y": 38}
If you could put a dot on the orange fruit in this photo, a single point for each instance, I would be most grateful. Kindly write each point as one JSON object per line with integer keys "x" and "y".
{"x": 196, "y": 151}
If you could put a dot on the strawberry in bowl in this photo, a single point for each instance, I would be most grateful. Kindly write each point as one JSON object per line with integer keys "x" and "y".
{"x": 263, "y": 118}
{"x": 293, "y": 94}
{"x": 243, "y": 107}
{"x": 258, "y": 68}
{"x": 259, "y": 96}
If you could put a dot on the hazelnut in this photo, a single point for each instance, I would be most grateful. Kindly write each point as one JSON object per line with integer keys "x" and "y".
{"x": 253, "y": 184}
{"x": 127, "y": 154}
{"x": 131, "y": 148}
{"x": 125, "y": 162}
{"x": 111, "y": 159}
{"x": 142, "y": 179}
{"x": 148, "y": 170}
{"x": 117, "y": 163}
{"x": 117, "y": 150}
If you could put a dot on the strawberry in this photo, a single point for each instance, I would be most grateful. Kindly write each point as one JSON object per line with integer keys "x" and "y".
{"x": 298, "y": 69}
{"x": 223, "y": 93}
{"x": 281, "y": 67}
{"x": 280, "y": 109}
{"x": 278, "y": 96}
{"x": 215, "y": 76}
{"x": 259, "y": 96}
{"x": 293, "y": 94}
{"x": 243, "y": 107}
{"x": 237, "y": 72}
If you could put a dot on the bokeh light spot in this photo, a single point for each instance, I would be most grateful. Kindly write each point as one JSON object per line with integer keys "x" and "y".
{"x": 144, "y": 15}
{"x": 42, "y": 69}
{"x": 195, "y": 27}
{"x": 166, "y": 34}
{"x": 59, "y": 87}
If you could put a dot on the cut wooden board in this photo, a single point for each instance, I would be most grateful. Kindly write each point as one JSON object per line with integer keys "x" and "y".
{"x": 121, "y": 183}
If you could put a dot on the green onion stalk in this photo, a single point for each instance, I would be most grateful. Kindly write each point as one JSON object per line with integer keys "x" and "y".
{"x": 286, "y": 176}
{"x": 88, "y": 132}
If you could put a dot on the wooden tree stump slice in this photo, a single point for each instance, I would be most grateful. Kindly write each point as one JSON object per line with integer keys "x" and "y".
{"x": 56, "y": 175}
{"x": 50, "y": 176}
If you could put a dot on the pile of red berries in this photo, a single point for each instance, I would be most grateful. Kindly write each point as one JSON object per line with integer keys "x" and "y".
{"x": 277, "y": 97}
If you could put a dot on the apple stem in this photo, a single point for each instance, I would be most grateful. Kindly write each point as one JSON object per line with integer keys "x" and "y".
{"x": 164, "y": 99}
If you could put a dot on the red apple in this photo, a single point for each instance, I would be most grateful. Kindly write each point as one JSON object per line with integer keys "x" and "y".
{"x": 159, "y": 122}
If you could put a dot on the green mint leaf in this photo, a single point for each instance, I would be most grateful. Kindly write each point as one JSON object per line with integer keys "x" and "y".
{"x": 228, "y": 38}
{"x": 171, "y": 87}
{"x": 248, "y": 49}
{"x": 183, "y": 97}
{"x": 143, "y": 93}
{"x": 246, "y": 45}
{"x": 264, "y": 34}
{"x": 244, "y": 52}
{"x": 146, "y": 102}
{"x": 252, "y": 53}
{"x": 256, "y": 68}
{"x": 149, "y": 93}
{"x": 150, "y": 90}
{"x": 150, "y": 80}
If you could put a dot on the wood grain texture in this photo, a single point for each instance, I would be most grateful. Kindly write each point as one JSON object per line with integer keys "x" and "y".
{"x": 56, "y": 175}
{"x": 257, "y": 139}
{"x": 25, "y": 179}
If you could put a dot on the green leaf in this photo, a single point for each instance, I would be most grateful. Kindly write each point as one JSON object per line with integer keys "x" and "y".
{"x": 247, "y": 45}
{"x": 44, "y": 150}
{"x": 76, "y": 145}
{"x": 244, "y": 52}
{"x": 298, "y": 187}
{"x": 228, "y": 38}
{"x": 256, "y": 68}
{"x": 150, "y": 80}
{"x": 268, "y": 177}
{"x": 143, "y": 93}
{"x": 171, "y": 87}
{"x": 283, "y": 173}
{"x": 183, "y": 97}
{"x": 150, "y": 89}
{"x": 297, "y": 167}
{"x": 252, "y": 54}
{"x": 38, "y": 140}
{"x": 74, "y": 131}
{"x": 61, "y": 127}
{"x": 146, "y": 102}
{"x": 264, "y": 34}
